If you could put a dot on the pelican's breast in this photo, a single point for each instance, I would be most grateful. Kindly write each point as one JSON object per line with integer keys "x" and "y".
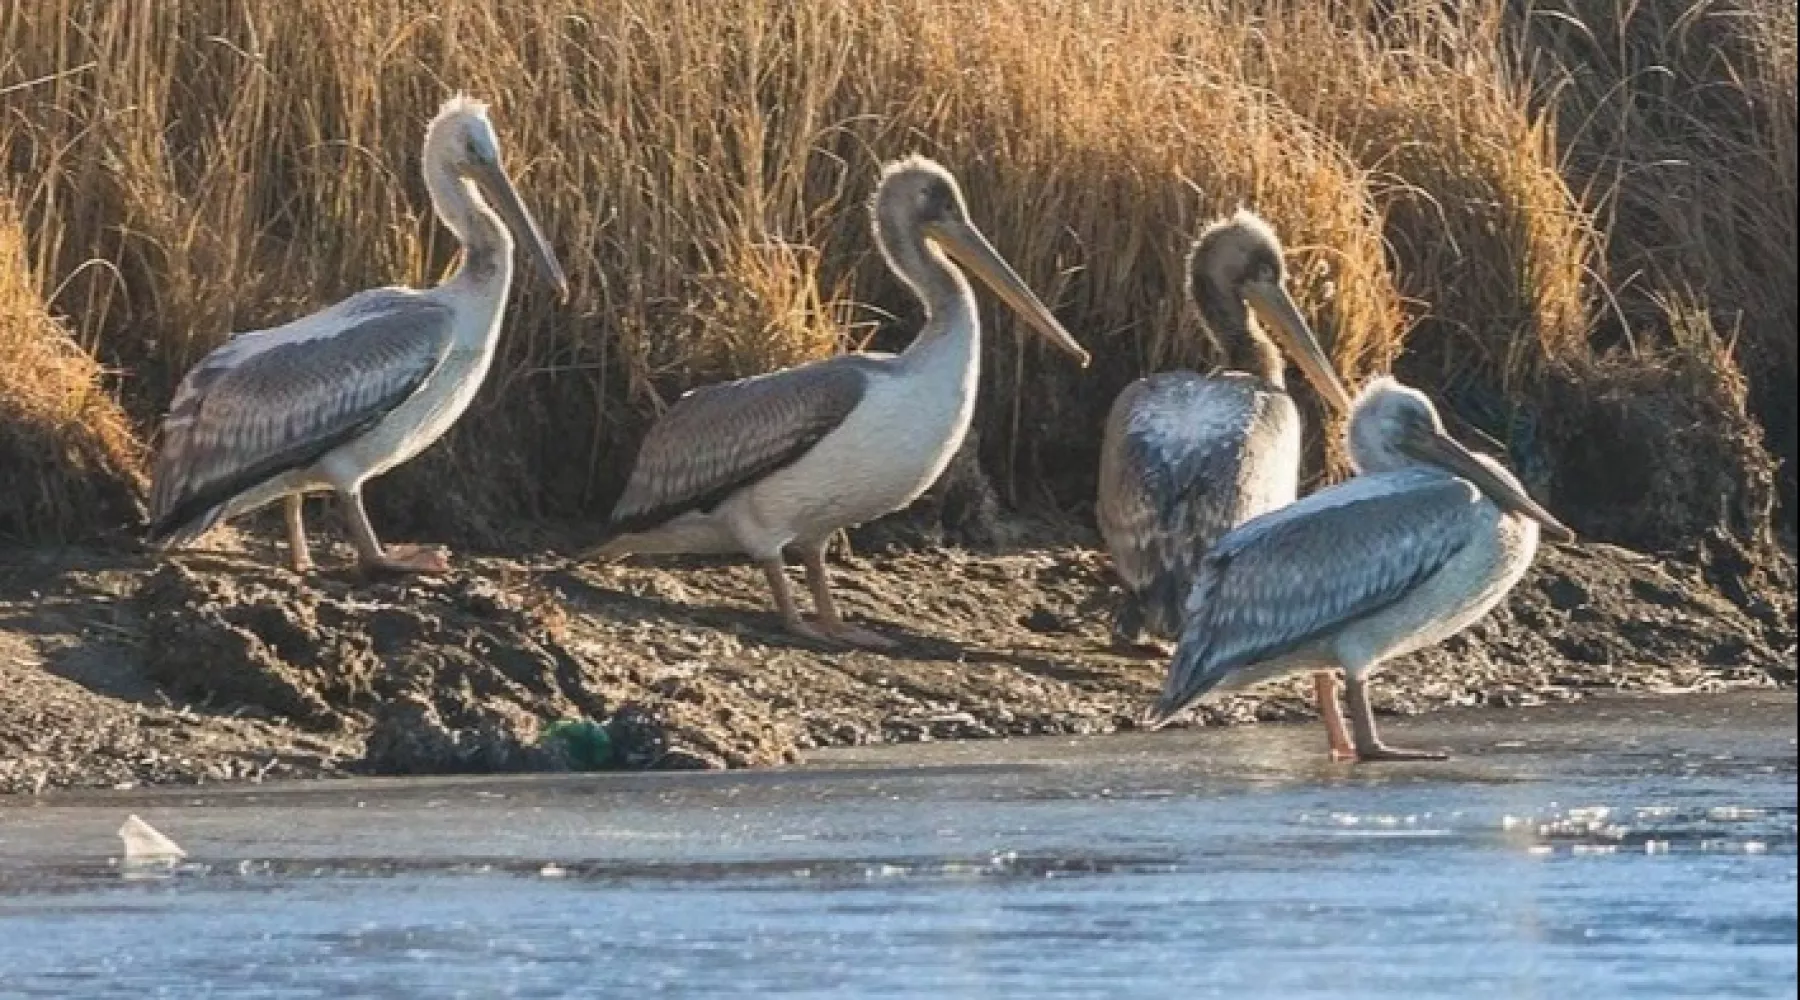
{"x": 446, "y": 393}
{"x": 1185, "y": 458}
{"x": 888, "y": 450}
{"x": 1269, "y": 476}
{"x": 1227, "y": 442}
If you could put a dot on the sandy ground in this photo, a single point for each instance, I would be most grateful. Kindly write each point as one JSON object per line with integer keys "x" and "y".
{"x": 121, "y": 670}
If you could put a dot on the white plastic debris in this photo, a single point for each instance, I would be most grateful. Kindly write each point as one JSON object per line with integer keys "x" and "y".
{"x": 144, "y": 845}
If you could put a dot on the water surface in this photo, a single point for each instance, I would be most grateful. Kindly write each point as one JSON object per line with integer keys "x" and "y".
{"x": 1622, "y": 847}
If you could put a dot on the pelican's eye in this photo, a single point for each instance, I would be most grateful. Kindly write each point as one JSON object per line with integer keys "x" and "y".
{"x": 937, "y": 202}
{"x": 1265, "y": 266}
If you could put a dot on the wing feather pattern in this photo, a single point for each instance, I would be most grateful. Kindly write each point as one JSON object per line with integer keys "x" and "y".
{"x": 1293, "y": 576}
{"x": 719, "y": 438}
{"x": 1170, "y": 468}
{"x": 272, "y": 401}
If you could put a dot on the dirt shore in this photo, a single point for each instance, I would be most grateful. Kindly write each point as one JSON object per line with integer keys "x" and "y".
{"x": 119, "y": 669}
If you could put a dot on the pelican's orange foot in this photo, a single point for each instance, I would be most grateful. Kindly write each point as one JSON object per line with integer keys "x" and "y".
{"x": 1144, "y": 649}
{"x": 1381, "y": 752}
{"x": 412, "y": 559}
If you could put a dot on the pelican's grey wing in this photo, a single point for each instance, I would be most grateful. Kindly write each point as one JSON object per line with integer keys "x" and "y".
{"x": 1171, "y": 463}
{"x": 270, "y": 402}
{"x": 1295, "y": 575}
{"x": 719, "y": 438}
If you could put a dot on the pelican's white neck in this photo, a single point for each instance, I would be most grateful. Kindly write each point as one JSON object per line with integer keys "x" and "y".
{"x": 948, "y": 299}
{"x": 487, "y": 244}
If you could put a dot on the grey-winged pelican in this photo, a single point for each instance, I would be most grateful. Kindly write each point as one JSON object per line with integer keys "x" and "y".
{"x": 328, "y": 401}
{"x": 786, "y": 459}
{"x": 1422, "y": 542}
{"x": 1187, "y": 457}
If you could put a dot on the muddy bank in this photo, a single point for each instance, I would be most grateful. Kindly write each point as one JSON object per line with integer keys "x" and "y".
{"x": 222, "y": 666}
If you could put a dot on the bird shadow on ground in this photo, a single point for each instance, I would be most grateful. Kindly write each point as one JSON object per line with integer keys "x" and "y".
{"x": 764, "y": 627}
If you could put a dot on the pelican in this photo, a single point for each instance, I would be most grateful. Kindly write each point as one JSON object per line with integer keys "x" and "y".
{"x": 1421, "y": 543}
{"x": 1187, "y": 457}
{"x": 788, "y": 458}
{"x": 331, "y": 400}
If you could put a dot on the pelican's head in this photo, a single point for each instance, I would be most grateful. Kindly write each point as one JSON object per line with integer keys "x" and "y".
{"x": 461, "y": 141}
{"x": 1239, "y": 258}
{"x": 1393, "y": 425}
{"x": 918, "y": 200}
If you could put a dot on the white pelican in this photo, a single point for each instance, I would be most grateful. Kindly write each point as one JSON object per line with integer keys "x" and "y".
{"x": 1422, "y": 542}
{"x": 1187, "y": 457}
{"x": 330, "y": 400}
{"x": 788, "y": 458}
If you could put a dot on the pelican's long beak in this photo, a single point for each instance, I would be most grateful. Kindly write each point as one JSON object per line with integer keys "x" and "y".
{"x": 1278, "y": 312}
{"x": 1489, "y": 476}
{"x": 969, "y": 248}
{"x": 499, "y": 189}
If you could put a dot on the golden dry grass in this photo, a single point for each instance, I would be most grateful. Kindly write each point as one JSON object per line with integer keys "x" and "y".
{"x": 66, "y": 447}
{"x": 199, "y": 166}
{"x": 1678, "y": 128}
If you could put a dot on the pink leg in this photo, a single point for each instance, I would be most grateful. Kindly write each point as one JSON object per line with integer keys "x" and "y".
{"x": 299, "y": 553}
{"x": 776, "y": 573}
{"x": 397, "y": 558}
{"x": 1325, "y": 693}
{"x": 813, "y": 556}
{"x": 1368, "y": 742}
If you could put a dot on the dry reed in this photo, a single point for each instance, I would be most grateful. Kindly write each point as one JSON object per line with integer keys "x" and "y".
{"x": 69, "y": 457}
{"x": 702, "y": 169}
